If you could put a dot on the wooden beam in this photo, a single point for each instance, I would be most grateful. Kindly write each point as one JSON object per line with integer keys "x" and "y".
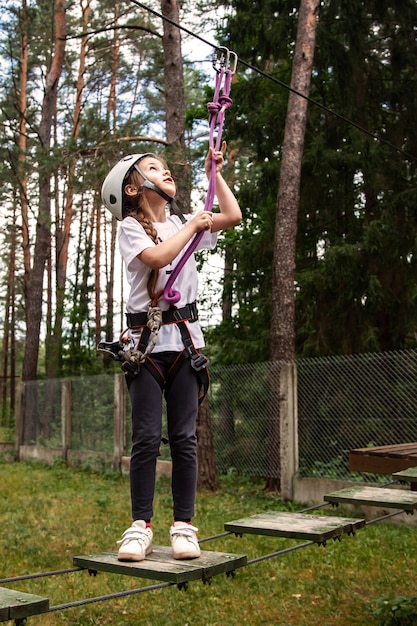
{"x": 408, "y": 475}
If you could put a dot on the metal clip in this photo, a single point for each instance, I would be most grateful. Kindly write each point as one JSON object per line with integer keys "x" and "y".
{"x": 111, "y": 348}
{"x": 233, "y": 66}
{"x": 221, "y": 59}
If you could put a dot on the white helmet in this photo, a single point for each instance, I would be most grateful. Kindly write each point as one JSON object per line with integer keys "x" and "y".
{"x": 112, "y": 189}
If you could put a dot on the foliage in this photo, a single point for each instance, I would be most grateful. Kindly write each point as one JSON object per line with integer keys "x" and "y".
{"x": 396, "y": 611}
{"x": 356, "y": 254}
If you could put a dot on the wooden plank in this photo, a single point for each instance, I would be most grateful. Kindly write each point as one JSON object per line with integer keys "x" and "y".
{"x": 375, "y": 496}
{"x": 379, "y": 464}
{"x": 391, "y": 448}
{"x": 408, "y": 475}
{"x": 160, "y": 565}
{"x": 383, "y": 459}
{"x": 19, "y": 605}
{"x": 295, "y": 526}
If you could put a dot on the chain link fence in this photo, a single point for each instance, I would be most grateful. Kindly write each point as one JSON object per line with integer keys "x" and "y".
{"x": 344, "y": 402}
{"x": 92, "y": 414}
{"x": 243, "y": 404}
{"x": 351, "y": 402}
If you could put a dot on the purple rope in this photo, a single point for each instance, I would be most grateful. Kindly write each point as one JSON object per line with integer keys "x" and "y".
{"x": 217, "y": 110}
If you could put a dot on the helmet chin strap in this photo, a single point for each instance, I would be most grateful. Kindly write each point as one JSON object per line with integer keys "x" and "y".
{"x": 171, "y": 201}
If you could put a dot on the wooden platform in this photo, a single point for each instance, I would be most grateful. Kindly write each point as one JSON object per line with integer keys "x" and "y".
{"x": 296, "y": 526}
{"x": 383, "y": 459}
{"x": 160, "y": 565}
{"x": 16, "y": 605}
{"x": 375, "y": 496}
{"x": 408, "y": 475}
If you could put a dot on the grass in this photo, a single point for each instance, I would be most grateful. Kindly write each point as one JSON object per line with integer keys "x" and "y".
{"x": 50, "y": 514}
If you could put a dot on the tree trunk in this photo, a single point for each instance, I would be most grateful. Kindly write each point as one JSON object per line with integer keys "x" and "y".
{"x": 174, "y": 103}
{"x": 63, "y": 222}
{"x": 110, "y": 272}
{"x": 97, "y": 265}
{"x": 34, "y": 286}
{"x": 22, "y": 142}
{"x": 175, "y": 133}
{"x": 207, "y": 475}
{"x": 110, "y": 283}
{"x": 8, "y": 371}
{"x": 283, "y": 285}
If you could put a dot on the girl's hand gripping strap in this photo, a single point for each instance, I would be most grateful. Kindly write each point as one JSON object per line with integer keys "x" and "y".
{"x": 217, "y": 109}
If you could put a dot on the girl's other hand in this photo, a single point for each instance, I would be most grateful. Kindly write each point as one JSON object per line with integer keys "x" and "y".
{"x": 218, "y": 157}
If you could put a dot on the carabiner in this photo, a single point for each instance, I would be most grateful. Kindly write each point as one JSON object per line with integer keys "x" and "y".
{"x": 232, "y": 68}
{"x": 221, "y": 58}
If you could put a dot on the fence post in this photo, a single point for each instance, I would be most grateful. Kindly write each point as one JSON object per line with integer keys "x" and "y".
{"x": 119, "y": 420}
{"x": 66, "y": 417}
{"x": 288, "y": 429}
{"x": 20, "y": 419}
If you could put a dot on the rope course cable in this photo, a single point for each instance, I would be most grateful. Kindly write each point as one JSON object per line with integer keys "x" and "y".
{"x": 257, "y": 70}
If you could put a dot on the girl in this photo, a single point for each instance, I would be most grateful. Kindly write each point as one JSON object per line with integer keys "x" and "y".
{"x": 151, "y": 241}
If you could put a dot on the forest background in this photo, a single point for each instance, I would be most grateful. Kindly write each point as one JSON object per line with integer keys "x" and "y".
{"x": 87, "y": 81}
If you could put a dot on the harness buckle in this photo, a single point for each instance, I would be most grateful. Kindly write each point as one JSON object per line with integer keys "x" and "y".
{"x": 176, "y": 314}
{"x": 198, "y": 361}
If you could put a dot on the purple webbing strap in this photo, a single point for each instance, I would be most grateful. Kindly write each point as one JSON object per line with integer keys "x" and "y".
{"x": 217, "y": 109}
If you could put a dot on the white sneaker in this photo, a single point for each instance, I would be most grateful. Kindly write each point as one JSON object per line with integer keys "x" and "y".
{"x": 184, "y": 541}
{"x": 136, "y": 542}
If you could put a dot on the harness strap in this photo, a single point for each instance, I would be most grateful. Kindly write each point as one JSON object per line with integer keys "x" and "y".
{"x": 188, "y": 312}
{"x": 202, "y": 374}
{"x": 198, "y": 361}
{"x": 151, "y": 366}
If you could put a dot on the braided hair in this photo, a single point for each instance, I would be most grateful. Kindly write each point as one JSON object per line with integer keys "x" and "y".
{"x": 134, "y": 207}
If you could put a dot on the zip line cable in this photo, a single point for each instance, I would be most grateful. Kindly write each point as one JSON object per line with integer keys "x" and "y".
{"x": 281, "y": 83}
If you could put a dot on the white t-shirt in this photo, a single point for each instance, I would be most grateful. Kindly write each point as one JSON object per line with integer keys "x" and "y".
{"x": 133, "y": 240}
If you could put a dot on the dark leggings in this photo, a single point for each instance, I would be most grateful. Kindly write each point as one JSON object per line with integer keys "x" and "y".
{"x": 182, "y": 408}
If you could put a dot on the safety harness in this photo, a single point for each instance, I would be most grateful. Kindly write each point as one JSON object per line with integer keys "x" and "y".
{"x": 136, "y": 354}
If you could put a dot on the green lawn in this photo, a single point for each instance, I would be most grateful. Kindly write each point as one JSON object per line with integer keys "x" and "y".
{"x": 49, "y": 515}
